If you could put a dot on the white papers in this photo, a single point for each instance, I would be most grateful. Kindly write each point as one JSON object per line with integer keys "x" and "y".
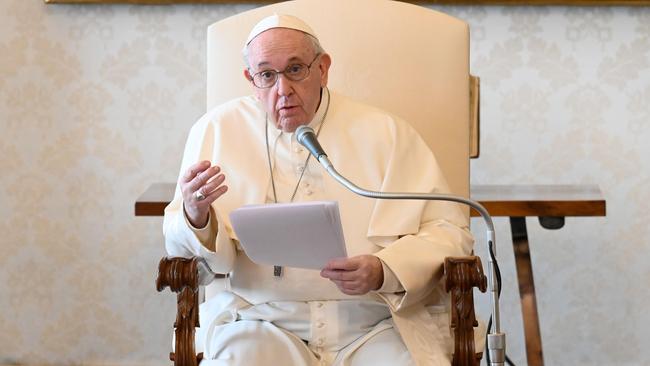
{"x": 303, "y": 235}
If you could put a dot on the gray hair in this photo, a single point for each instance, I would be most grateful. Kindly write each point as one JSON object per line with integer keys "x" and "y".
{"x": 315, "y": 45}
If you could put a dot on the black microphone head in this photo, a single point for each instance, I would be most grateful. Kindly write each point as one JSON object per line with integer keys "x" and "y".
{"x": 302, "y": 131}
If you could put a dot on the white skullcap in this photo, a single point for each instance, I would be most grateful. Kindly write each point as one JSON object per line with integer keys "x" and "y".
{"x": 279, "y": 21}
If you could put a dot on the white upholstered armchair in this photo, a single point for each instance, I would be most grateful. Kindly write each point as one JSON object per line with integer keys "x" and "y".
{"x": 408, "y": 60}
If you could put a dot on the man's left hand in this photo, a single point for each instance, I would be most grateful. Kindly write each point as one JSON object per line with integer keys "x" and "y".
{"x": 356, "y": 275}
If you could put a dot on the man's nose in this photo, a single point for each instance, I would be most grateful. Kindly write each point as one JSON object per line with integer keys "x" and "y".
{"x": 285, "y": 86}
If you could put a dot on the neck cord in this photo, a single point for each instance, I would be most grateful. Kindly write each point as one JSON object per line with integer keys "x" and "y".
{"x": 304, "y": 167}
{"x": 277, "y": 270}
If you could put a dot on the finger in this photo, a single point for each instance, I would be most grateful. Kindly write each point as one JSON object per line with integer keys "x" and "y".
{"x": 195, "y": 169}
{"x": 348, "y": 264}
{"x": 212, "y": 190}
{"x": 213, "y": 184}
{"x": 349, "y": 288}
{"x": 338, "y": 275}
{"x": 202, "y": 178}
{"x": 215, "y": 195}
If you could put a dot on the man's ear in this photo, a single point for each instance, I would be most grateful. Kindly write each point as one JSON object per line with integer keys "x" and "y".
{"x": 248, "y": 75}
{"x": 324, "y": 66}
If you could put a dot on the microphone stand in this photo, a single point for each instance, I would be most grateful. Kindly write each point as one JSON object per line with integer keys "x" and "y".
{"x": 496, "y": 340}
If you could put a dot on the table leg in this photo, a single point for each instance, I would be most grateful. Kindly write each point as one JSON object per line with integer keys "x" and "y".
{"x": 527, "y": 291}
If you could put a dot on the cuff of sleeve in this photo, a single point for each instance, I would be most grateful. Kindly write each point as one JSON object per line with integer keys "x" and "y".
{"x": 391, "y": 283}
{"x": 203, "y": 234}
{"x": 217, "y": 250}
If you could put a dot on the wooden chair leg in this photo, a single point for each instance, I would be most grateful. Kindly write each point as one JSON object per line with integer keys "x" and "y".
{"x": 181, "y": 275}
{"x": 462, "y": 275}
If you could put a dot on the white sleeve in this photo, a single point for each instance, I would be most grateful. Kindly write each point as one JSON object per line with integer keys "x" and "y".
{"x": 391, "y": 284}
{"x": 430, "y": 230}
{"x": 417, "y": 260}
{"x": 180, "y": 238}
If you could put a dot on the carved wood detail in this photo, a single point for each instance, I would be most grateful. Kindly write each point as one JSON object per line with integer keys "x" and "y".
{"x": 181, "y": 276}
{"x": 462, "y": 275}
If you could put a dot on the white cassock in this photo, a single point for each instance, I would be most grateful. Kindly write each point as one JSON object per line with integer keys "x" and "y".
{"x": 301, "y": 318}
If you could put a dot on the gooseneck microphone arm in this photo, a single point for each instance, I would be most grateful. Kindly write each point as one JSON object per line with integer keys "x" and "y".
{"x": 496, "y": 339}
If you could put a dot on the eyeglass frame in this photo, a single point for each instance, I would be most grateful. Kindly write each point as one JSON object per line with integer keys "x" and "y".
{"x": 283, "y": 72}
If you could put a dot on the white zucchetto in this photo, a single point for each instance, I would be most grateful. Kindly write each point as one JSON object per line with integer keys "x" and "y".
{"x": 279, "y": 21}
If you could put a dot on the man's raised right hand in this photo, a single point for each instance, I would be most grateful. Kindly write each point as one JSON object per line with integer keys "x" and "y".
{"x": 201, "y": 185}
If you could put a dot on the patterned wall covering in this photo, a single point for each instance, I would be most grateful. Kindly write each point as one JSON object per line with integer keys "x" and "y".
{"x": 96, "y": 101}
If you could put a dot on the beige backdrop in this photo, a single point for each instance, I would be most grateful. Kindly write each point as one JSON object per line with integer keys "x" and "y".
{"x": 96, "y": 101}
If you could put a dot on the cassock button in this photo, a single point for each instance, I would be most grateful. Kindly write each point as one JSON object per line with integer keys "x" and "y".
{"x": 320, "y": 325}
{"x": 309, "y": 192}
{"x": 319, "y": 305}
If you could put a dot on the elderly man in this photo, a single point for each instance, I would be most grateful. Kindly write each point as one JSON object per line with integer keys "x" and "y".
{"x": 383, "y": 305}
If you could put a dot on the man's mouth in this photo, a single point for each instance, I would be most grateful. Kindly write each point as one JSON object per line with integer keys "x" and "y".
{"x": 287, "y": 109}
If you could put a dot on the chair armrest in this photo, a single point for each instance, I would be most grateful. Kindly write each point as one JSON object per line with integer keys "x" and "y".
{"x": 181, "y": 275}
{"x": 462, "y": 275}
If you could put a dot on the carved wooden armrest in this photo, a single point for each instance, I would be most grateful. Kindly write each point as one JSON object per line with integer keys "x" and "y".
{"x": 462, "y": 275}
{"x": 182, "y": 277}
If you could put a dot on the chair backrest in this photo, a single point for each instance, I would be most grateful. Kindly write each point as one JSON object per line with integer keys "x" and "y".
{"x": 403, "y": 58}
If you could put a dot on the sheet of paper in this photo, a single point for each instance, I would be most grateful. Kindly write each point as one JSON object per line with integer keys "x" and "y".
{"x": 302, "y": 235}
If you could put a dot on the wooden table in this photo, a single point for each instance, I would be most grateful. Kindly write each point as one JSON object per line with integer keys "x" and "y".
{"x": 549, "y": 203}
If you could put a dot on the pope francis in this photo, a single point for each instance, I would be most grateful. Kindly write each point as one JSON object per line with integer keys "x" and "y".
{"x": 384, "y": 304}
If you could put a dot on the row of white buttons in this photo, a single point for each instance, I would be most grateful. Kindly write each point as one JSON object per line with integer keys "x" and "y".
{"x": 319, "y": 324}
{"x": 306, "y": 185}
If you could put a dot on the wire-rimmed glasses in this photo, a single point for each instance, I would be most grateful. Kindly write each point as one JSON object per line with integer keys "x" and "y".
{"x": 294, "y": 72}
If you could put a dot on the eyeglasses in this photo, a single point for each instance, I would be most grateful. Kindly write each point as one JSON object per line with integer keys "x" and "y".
{"x": 294, "y": 72}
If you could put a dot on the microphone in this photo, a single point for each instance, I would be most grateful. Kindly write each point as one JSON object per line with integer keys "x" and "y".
{"x": 306, "y": 137}
{"x": 496, "y": 340}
